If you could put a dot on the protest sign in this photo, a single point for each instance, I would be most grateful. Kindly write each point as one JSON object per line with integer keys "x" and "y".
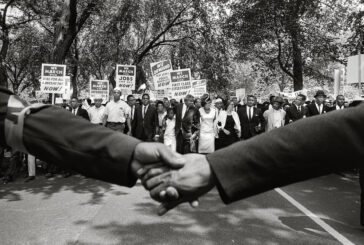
{"x": 181, "y": 83}
{"x": 59, "y": 100}
{"x": 240, "y": 93}
{"x": 99, "y": 88}
{"x": 161, "y": 94}
{"x": 53, "y": 78}
{"x": 353, "y": 69}
{"x": 125, "y": 77}
{"x": 198, "y": 88}
{"x": 160, "y": 72}
{"x": 67, "y": 88}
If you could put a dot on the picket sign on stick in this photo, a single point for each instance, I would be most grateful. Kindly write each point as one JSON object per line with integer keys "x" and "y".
{"x": 161, "y": 74}
{"x": 99, "y": 88}
{"x": 181, "y": 83}
{"x": 125, "y": 77}
{"x": 53, "y": 78}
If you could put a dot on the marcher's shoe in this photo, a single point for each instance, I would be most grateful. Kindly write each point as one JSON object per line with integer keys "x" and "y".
{"x": 30, "y": 178}
{"x": 48, "y": 175}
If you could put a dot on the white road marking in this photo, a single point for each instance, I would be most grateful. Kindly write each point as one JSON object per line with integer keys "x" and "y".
{"x": 316, "y": 219}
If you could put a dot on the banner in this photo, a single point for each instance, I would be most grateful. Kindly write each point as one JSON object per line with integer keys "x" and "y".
{"x": 181, "y": 83}
{"x": 293, "y": 95}
{"x": 125, "y": 77}
{"x": 160, "y": 73}
{"x": 353, "y": 69}
{"x": 198, "y": 88}
{"x": 99, "y": 88}
{"x": 240, "y": 93}
{"x": 67, "y": 88}
{"x": 53, "y": 78}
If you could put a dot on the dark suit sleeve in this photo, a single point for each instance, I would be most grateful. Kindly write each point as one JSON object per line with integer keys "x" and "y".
{"x": 262, "y": 120}
{"x": 56, "y": 136}
{"x": 288, "y": 115}
{"x": 85, "y": 114}
{"x": 306, "y": 149}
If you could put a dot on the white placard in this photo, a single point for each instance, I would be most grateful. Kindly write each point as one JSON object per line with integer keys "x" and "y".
{"x": 99, "y": 88}
{"x": 353, "y": 69}
{"x": 125, "y": 77}
{"x": 53, "y": 78}
{"x": 161, "y": 74}
{"x": 181, "y": 83}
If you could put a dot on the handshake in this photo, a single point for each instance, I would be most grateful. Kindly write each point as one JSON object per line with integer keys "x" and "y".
{"x": 171, "y": 178}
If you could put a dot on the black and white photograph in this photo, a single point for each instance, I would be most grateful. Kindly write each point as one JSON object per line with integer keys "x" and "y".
{"x": 181, "y": 122}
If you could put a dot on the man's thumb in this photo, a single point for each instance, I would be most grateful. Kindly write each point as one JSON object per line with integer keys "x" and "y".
{"x": 171, "y": 158}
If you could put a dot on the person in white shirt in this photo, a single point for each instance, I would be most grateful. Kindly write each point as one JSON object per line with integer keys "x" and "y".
{"x": 117, "y": 113}
{"x": 275, "y": 117}
{"x": 168, "y": 132}
{"x": 96, "y": 112}
{"x": 161, "y": 114}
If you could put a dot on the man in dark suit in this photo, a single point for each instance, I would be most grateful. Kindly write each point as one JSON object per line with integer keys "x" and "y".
{"x": 55, "y": 136}
{"x": 145, "y": 120}
{"x": 130, "y": 100}
{"x": 187, "y": 122}
{"x": 297, "y": 110}
{"x": 251, "y": 119}
{"x": 339, "y": 103}
{"x": 77, "y": 110}
{"x": 237, "y": 105}
{"x": 277, "y": 158}
{"x": 317, "y": 107}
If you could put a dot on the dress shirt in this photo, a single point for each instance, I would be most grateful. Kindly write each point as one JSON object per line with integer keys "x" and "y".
{"x": 249, "y": 112}
{"x": 144, "y": 110}
{"x": 132, "y": 112}
{"x": 96, "y": 114}
{"x": 340, "y": 108}
{"x": 74, "y": 111}
{"x": 117, "y": 112}
{"x": 184, "y": 109}
{"x": 319, "y": 107}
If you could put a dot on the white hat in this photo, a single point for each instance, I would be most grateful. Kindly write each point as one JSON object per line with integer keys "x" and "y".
{"x": 98, "y": 97}
{"x": 117, "y": 90}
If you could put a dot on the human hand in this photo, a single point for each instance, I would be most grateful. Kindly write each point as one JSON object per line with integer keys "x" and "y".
{"x": 149, "y": 155}
{"x": 227, "y": 132}
{"x": 183, "y": 185}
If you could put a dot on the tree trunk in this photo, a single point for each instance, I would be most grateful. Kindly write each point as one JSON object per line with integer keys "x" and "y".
{"x": 3, "y": 53}
{"x": 297, "y": 59}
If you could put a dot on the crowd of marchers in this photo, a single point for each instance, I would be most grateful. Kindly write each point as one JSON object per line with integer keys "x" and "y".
{"x": 202, "y": 125}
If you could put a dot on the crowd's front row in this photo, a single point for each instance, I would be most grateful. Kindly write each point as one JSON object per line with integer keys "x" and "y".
{"x": 200, "y": 125}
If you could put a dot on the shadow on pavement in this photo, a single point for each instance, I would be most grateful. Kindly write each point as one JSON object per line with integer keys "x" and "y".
{"x": 47, "y": 187}
{"x": 254, "y": 221}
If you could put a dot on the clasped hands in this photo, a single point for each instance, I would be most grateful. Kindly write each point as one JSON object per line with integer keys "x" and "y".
{"x": 171, "y": 178}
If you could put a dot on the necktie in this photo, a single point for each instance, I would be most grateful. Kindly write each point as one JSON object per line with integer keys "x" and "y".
{"x": 250, "y": 113}
{"x": 74, "y": 112}
{"x": 320, "y": 109}
{"x": 144, "y": 111}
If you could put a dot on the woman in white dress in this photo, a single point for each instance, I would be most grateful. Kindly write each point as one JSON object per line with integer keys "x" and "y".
{"x": 206, "y": 143}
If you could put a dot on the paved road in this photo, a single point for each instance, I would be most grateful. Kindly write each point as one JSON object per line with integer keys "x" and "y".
{"x": 84, "y": 211}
